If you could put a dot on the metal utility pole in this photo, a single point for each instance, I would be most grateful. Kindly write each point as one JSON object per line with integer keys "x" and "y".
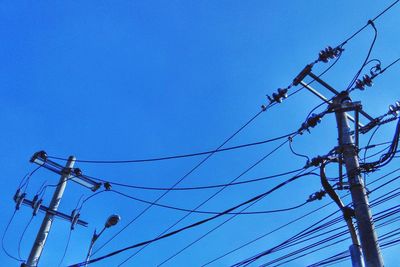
{"x": 41, "y": 237}
{"x": 368, "y": 238}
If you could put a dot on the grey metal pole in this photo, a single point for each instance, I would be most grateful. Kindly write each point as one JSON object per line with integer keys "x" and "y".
{"x": 356, "y": 256}
{"x": 41, "y": 237}
{"x": 368, "y": 238}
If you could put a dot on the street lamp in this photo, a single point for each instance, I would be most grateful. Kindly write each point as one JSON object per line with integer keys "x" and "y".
{"x": 111, "y": 221}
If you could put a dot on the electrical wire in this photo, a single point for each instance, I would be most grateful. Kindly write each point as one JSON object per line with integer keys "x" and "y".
{"x": 209, "y": 212}
{"x": 366, "y": 25}
{"x": 295, "y": 153}
{"x": 289, "y": 223}
{"x": 370, "y": 22}
{"x": 310, "y": 229}
{"x": 219, "y": 185}
{"x": 213, "y": 195}
{"x": 80, "y": 205}
{"x": 4, "y": 235}
{"x": 186, "y": 247}
{"x": 28, "y": 224}
{"x": 266, "y": 234}
{"x": 25, "y": 181}
{"x": 191, "y": 225}
{"x": 219, "y": 149}
{"x": 22, "y": 236}
{"x": 215, "y": 228}
{"x": 178, "y": 182}
{"x": 66, "y": 247}
{"x": 198, "y": 187}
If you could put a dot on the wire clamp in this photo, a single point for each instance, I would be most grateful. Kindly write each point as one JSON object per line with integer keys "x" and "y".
{"x": 316, "y": 196}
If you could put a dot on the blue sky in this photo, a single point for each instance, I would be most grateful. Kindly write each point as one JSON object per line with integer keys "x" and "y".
{"x": 139, "y": 79}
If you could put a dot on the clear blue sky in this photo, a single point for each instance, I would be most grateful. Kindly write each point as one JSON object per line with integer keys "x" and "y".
{"x": 138, "y": 79}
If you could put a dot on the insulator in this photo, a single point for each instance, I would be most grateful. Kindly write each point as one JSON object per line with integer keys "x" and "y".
{"x": 19, "y": 201}
{"x": 283, "y": 92}
{"x": 107, "y": 186}
{"x": 394, "y": 109}
{"x": 367, "y": 80}
{"x": 360, "y": 84}
{"x": 36, "y": 207}
{"x": 74, "y": 220}
{"x": 73, "y": 213}
{"x": 77, "y": 172}
{"x": 277, "y": 97}
{"x": 34, "y": 200}
{"x": 314, "y": 120}
{"x": 17, "y": 195}
{"x": 329, "y": 53}
{"x": 322, "y": 56}
{"x": 263, "y": 107}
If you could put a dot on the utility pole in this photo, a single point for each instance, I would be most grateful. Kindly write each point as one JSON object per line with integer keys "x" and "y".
{"x": 41, "y": 237}
{"x": 366, "y": 230}
{"x": 68, "y": 173}
{"x": 348, "y": 148}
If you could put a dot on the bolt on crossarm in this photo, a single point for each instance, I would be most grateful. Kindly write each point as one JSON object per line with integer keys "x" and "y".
{"x": 368, "y": 237}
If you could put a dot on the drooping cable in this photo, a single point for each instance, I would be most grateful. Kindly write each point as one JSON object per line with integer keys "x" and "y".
{"x": 4, "y": 235}
{"x": 198, "y": 187}
{"x": 194, "y": 154}
{"x": 307, "y": 231}
{"x": 178, "y": 182}
{"x": 191, "y": 225}
{"x": 213, "y": 195}
{"x": 209, "y": 212}
{"x": 370, "y": 22}
{"x": 289, "y": 223}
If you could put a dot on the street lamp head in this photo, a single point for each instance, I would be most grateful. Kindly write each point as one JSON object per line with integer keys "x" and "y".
{"x": 112, "y": 220}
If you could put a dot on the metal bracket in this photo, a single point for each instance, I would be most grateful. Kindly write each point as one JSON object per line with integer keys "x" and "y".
{"x": 75, "y": 174}
{"x": 45, "y": 209}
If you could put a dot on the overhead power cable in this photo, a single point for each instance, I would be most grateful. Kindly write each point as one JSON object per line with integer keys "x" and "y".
{"x": 212, "y": 196}
{"x": 211, "y": 212}
{"x": 380, "y": 215}
{"x": 178, "y": 181}
{"x": 368, "y": 23}
{"x": 311, "y": 228}
{"x": 219, "y": 149}
{"x": 191, "y": 225}
{"x": 198, "y": 187}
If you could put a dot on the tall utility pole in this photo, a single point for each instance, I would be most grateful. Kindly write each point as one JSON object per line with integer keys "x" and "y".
{"x": 366, "y": 230}
{"x": 41, "y": 237}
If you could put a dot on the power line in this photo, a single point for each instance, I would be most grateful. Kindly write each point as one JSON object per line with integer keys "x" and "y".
{"x": 307, "y": 231}
{"x": 209, "y": 212}
{"x": 366, "y": 25}
{"x": 199, "y": 187}
{"x": 212, "y": 230}
{"x": 219, "y": 149}
{"x": 178, "y": 182}
{"x": 375, "y": 202}
{"x": 216, "y": 193}
{"x": 192, "y": 225}
{"x": 4, "y": 235}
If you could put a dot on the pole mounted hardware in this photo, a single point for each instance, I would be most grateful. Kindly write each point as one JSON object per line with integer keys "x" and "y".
{"x": 68, "y": 172}
{"x": 74, "y": 174}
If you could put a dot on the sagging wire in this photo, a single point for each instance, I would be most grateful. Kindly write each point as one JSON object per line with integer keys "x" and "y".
{"x": 282, "y": 246}
{"x": 19, "y": 197}
{"x": 370, "y": 22}
{"x": 388, "y": 156}
{"x": 37, "y": 201}
{"x": 70, "y": 232}
{"x": 295, "y": 153}
{"x": 260, "y": 196}
{"x": 4, "y": 235}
